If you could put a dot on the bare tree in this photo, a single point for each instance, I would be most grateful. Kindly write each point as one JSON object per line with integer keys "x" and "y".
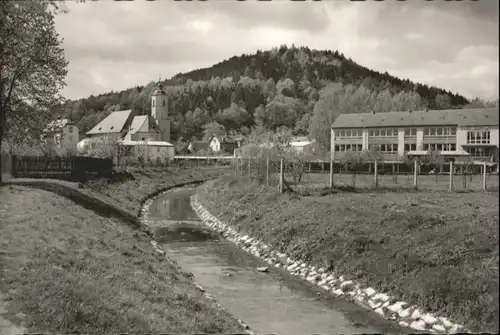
{"x": 353, "y": 161}
{"x": 32, "y": 65}
{"x": 436, "y": 160}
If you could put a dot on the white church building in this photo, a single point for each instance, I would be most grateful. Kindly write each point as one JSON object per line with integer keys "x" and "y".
{"x": 127, "y": 137}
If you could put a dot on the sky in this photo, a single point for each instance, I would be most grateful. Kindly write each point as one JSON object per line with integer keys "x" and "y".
{"x": 117, "y": 45}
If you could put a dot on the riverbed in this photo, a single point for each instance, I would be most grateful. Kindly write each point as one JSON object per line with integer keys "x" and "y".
{"x": 272, "y": 302}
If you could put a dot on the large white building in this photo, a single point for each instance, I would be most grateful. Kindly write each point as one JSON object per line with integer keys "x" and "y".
{"x": 138, "y": 136}
{"x": 456, "y": 134}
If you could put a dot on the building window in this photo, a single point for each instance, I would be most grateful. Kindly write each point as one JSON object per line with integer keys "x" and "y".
{"x": 440, "y": 147}
{"x": 348, "y": 133}
{"x": 383, "y": 132}
{"x": 478, "y": 137}
{"x": 93, "y": 145}
{"x": 348, "y": 147}
{"x": 411, "y": 147}
{"x": 440, "y": 131}
{"x": 478, "y": 152}
{"x": 410, "y": 131}
{"x": 70, "y": 129}
{"x": 158, "y": 149}
{"x": 164, "y": 103}
{"x": 388, "y": 147}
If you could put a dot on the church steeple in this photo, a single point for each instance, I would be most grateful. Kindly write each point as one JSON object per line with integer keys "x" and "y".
{"x": 159, "y": 110}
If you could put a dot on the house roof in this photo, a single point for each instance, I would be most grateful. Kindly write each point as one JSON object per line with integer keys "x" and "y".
{"x": 57, "y": 125}
{"x": 147, "y": 143}
{"x": 137, "y": 123}
{"x": 113, "y": 123}
{"x": 228, "y": 139}
{"x": 460, "y": 117}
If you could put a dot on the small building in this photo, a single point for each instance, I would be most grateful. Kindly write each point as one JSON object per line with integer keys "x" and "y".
{"x": 225, "y": 143}
{"x": 455, "y": 134}
{"x": 196, "y": 146}
{"x": 146, "y": 151}
{"x": 303, "y": 144}
{"x": 61, "y": 133}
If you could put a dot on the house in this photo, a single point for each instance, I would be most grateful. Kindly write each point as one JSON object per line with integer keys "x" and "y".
{"x": 126, "y": 129}
{"x": 196, "y": 146}
{"x": 225, "y": 143}
{"x": 62, "y": 133}
{"x": 152, "y": 151}
{"x": 302, "y": 144}
{"x": 456, "y": 134}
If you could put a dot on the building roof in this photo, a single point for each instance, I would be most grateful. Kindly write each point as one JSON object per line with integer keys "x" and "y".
{"x": 460, "y": 117}
{"x": 301, "y": 141}
{"x": 228, "y": 139}
{"x": 113, "y": 123}
{"x": 137, "y": 123}
{"x": 147, "y": 143}
{"x": 57, "y": 125}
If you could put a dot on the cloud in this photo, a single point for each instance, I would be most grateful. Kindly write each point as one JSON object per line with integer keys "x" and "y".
{"x": 116, "y": 45}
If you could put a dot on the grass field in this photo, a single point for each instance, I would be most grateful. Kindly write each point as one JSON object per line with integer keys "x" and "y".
{"x": 439, "y": 250}
{"x": 72, "y": 271}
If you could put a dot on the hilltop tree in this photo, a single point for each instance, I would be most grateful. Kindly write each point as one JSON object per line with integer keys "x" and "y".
{"x": 32, "y": 66}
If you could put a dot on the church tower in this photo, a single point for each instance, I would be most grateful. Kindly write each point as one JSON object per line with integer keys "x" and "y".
{"x": 159, "y": 111}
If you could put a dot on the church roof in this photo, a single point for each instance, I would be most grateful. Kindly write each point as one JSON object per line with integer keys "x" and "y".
{"x": 142, "y": 123}
{"x": 113, "y": 123}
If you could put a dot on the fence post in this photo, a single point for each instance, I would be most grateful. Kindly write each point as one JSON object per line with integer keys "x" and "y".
{"x": 267, "y": 171}
{"x": 281, "y": 176}
{"x": 484, "y": 175}
{"x": 249, "y": 167}
{"x": 375, "y": 175}
{"x": 451, "y": 176}
{"x": 415, "y": 173}
{"x": 331, "y": 172}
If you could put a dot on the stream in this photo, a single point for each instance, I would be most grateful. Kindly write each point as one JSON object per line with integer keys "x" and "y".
{"x": 273, "y": 302}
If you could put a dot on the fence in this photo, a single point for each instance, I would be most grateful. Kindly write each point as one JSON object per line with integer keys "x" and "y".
{"x": 68, "y": 168}
{"x": 298, "y": 174}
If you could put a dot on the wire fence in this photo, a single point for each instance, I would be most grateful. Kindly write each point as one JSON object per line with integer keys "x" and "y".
{"x": 299, "y": 173}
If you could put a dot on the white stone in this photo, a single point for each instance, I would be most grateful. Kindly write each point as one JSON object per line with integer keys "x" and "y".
{"x": 439, "y": 328}
{"x": 374, "y": 304}
{"x": 386, "y": 304}
{"x": 405, "y": 313}
{"x": 456, "y": 328}
{"x": 417, "y": 314}
{"x": 369, "y": 291}
{"x": 346, "y": 283}
{"x": 397, "y": 307}
{"x": 277, "y": 265}
{"x": 418, "y": 325}
{"x": 324, "y": 287}
{"x": 446, "y": 322}
{"x": 429, "y": 319}
{"x": 341, "y": 278}
{"x": 338, "y": 292}
{"x": 380, "y": 311}
{"x": 381, "y": 297}
{"x": 403, "y": 324}
{"x": 322, "y": 282}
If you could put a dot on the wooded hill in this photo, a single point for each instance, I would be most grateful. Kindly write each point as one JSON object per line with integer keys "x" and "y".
{"x": 299, "y": 88}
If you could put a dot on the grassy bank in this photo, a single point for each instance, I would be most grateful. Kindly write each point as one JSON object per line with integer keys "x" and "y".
{"x": 130, "y": 187}
{"x": 72, "y": 271}
{"x": 436, "y": 250}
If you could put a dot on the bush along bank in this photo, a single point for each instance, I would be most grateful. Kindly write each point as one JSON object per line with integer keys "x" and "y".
{"x": 143, "y": 217}
{"x": 381, "y": 303}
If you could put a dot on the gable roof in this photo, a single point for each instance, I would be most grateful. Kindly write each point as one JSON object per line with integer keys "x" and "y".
{"x": 113, "y": 123}
{"x": 137, "y": 123}
{"x": 459, "y": 117}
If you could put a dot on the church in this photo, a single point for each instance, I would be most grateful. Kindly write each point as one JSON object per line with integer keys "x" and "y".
{"x": 135, "y": 137}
